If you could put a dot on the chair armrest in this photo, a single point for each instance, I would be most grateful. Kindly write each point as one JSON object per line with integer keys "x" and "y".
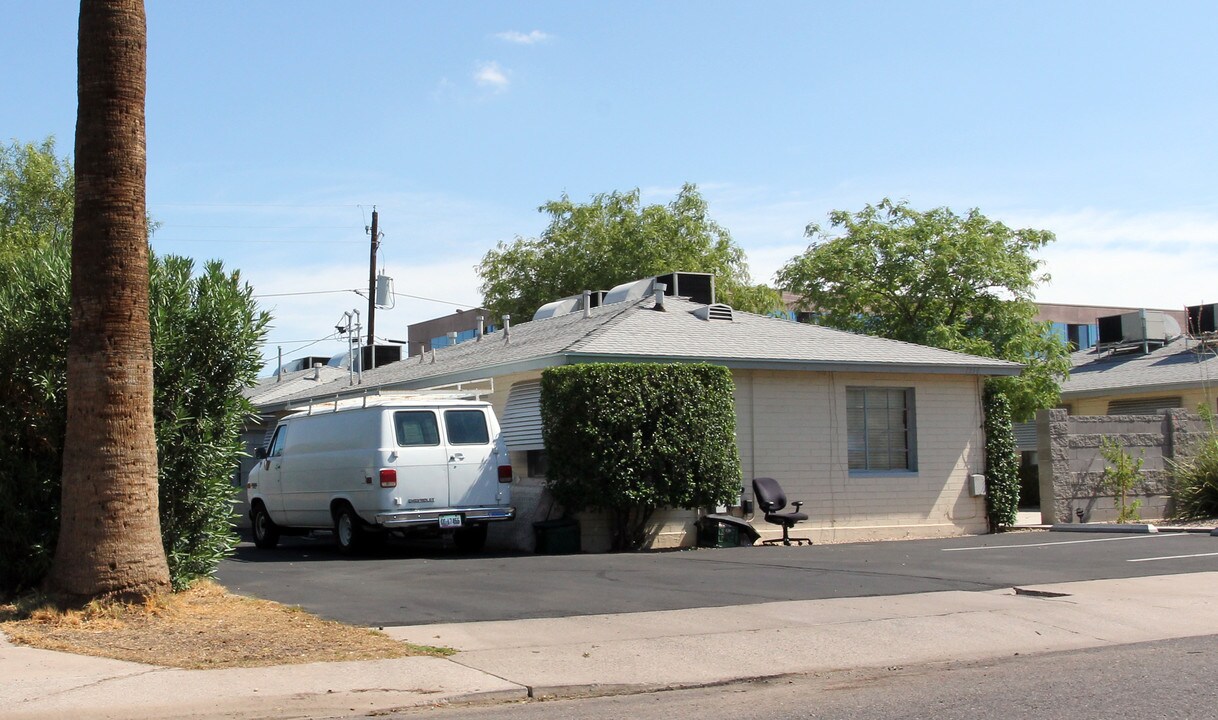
{"x": 798, "y": 504}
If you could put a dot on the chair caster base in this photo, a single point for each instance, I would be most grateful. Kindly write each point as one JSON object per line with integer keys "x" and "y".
{"x": 788, "y": 541}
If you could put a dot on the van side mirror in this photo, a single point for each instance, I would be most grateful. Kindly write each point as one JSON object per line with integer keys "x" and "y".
{"x": 260, "y": 453}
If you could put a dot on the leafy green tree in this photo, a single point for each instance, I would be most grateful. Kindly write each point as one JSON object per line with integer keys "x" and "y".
{"x": 629, "y": 438}
{"x": 37, "y": 191}
{"x": 611, "y": 240}
{"x": 963, "y": 283}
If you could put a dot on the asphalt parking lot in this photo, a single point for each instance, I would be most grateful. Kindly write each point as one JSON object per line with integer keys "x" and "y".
{"x": 414, "y": 584}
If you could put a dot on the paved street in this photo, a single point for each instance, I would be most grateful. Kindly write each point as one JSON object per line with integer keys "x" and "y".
{"x": 414, "y": 584}
{"x": 1164, "y": 679}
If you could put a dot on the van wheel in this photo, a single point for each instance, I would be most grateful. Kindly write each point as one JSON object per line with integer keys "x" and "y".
{"x": 348, "y": 530}
{"x": 266, "y": 532}
{"x": 470, "y": 539}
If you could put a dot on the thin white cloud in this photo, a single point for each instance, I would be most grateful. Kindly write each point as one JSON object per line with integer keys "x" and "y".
{"x": 490, "y": 75}
{"x": 1154, "y": 259}
{"x": 519, "y": 38}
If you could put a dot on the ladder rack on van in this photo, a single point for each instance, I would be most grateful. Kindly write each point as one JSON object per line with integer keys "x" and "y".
{"x": 349, "y": 402}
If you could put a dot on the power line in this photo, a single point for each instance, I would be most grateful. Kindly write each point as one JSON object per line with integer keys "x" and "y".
{"x": 434, "y": 300}
{"x": 311, "y": 292}
{"x": 243, "y": 241}
{"x": 249, "y": 205}
{"x": 309, "y": 343}
{"x": 259, "y": 227}
{"x": 361, "y": 293}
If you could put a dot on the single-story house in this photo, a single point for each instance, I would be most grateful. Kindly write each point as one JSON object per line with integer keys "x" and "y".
{"x": 879, "y": 438}
{"x": 1180, "y": 373}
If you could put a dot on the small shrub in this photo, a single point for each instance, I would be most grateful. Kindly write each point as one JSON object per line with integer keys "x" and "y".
{"x": 1121, "y": 477}
{"x": 1195, "y": 490}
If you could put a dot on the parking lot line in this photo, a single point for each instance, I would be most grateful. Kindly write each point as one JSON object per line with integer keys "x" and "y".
{"x": 1172, "y": 557}
{"x": 1147, "y": 536}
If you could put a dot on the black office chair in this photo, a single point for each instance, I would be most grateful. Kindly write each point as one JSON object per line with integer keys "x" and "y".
{"x": 770, "y": 498}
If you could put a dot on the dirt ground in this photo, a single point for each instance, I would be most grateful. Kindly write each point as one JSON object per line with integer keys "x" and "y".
{"x": 203, "y": 627}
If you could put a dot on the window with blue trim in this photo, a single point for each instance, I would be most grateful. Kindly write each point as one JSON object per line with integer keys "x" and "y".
{"x": 879, "y": 428}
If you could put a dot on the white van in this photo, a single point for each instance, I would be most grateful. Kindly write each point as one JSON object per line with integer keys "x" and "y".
{"x": 374, "y": 465}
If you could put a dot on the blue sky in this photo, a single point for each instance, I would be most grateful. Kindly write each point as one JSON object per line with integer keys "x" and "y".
{"x": 274, "y": 128}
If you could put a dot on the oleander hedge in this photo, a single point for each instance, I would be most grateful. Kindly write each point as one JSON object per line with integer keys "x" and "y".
{"x": 630, "y": 438}
{"x": 1001, "y": 463}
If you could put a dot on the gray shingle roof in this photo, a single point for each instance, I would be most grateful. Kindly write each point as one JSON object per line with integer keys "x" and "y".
{"x": 272, "y": 389}
{"x": 636, "y": 331}
{"x": 1177, "y": 365}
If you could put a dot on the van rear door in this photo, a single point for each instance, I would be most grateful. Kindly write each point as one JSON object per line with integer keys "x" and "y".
{"x": 422, "y": 460}
{"x": 472, "y": 463}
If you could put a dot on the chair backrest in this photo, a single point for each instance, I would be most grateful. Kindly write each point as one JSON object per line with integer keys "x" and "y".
{"x": 769, "y": 494}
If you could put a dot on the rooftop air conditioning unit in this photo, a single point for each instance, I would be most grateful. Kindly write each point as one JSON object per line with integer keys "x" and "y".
{"x": 570, "y": 304}
{"x": 559, "y": 307}
{"x": 1202, "y": 319}
{"x": 698, "y": 287}
{"x": 1140, "y": 326}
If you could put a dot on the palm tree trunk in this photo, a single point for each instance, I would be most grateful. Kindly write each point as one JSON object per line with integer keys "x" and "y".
{"x": 110, "y": 535}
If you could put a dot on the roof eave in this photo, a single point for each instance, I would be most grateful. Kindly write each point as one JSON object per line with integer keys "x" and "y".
{"x": 1006, "y": 370}
{"x": 419, "y": 383}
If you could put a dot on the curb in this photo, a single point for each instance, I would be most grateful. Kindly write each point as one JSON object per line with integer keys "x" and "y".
{"x": 566, "y": 692}
{"x": 1104, "y": 528}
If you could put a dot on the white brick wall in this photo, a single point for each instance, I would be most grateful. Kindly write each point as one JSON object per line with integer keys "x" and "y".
{"x": 792, "y": 427}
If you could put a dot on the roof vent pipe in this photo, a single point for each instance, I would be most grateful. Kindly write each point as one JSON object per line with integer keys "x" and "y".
{"x": 481, "y": 328}
{"x": 659, "y": 289}
{"x": 422, "y": 352}
{"x": 452, "y": 338}
{"x": 507, "y": 326}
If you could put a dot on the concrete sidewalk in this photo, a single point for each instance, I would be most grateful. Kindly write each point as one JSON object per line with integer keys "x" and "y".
{"x": 628, "y": 652}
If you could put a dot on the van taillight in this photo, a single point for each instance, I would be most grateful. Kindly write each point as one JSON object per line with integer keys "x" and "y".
{"x": 505, "y": 473}
{"x": 389, "y": 478}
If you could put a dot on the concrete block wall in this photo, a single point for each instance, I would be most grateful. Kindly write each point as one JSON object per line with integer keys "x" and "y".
{"x": 1072, "y": 466}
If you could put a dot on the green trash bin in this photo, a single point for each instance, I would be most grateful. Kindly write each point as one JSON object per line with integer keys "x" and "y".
{"x": 556, "y": 537}
{"x": 721, "y": 531}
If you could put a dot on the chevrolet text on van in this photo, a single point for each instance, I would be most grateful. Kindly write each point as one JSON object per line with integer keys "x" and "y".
{"x": 372, "y": 466}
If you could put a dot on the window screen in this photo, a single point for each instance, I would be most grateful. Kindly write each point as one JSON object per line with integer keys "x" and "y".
{"x": 466, "y": 427}
{"x": 878, "y": 428}
{"x": 416, "y": 427}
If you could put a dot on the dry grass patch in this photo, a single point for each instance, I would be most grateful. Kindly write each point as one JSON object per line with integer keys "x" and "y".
{"x": 203, "y": 627}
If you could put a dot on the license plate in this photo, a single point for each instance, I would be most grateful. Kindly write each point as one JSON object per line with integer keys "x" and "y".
{"x": 450, "y": 521}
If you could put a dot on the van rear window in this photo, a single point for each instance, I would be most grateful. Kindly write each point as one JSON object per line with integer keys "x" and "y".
{"x": 415, "y": 427}
{"x": 466, "y": 427}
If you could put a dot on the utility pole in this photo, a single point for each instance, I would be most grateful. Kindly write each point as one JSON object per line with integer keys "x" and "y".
{"x": 372, "y": 290}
